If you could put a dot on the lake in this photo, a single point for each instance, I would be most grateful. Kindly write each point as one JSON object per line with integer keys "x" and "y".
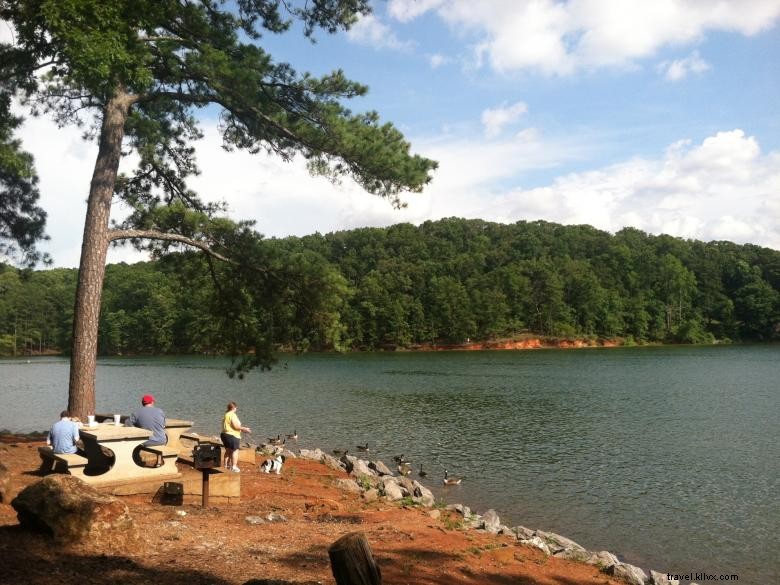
{"x": 666, "y": 456}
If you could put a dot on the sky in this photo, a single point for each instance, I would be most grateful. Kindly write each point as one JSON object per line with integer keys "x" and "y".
{"x": 663, "y": 116}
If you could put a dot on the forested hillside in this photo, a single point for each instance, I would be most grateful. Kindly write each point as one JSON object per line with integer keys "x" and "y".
{"x": 442, "y": 282}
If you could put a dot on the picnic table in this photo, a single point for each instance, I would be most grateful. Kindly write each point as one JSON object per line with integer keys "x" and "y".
{"x": 110, "y": 452}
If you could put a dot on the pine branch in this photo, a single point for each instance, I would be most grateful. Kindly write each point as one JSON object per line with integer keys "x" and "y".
{"x": 157, "y": 235}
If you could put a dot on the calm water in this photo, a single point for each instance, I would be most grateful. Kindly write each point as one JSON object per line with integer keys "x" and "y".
{"x": 668, "y": 457}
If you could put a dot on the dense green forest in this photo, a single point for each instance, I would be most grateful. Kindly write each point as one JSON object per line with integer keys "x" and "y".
{"x": 441, "y": 282}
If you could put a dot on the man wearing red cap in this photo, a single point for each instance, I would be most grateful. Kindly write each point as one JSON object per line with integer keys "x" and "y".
{"x": 151, "y": 418}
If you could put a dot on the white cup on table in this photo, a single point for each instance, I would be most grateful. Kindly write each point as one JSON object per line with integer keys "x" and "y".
{"x": 90, "y": 420}
{"x": 117, "y": 419}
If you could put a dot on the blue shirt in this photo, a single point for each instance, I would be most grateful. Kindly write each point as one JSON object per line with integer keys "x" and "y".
{"x": 63, "y": 436}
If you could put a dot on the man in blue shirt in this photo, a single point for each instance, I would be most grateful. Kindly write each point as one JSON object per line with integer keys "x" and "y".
{"x": 64, "y": 434}
{"x": 151, "y": 418}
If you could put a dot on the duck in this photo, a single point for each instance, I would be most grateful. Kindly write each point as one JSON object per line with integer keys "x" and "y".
{"x": 451, "y": 480}
{"x": 422, "y": 473}
{"x": 405, "y": 469}
{"x": 363, "y": 448}
{"x": 293, "y": 436}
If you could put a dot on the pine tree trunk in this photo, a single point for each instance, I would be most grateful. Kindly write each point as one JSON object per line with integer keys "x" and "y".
{"x": 94, "y": 248}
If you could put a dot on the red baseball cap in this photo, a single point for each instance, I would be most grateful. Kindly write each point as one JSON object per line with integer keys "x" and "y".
{"x": 147, "y": 399}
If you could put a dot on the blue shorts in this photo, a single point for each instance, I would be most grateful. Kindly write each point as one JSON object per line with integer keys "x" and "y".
{"x": 230, "y": 441}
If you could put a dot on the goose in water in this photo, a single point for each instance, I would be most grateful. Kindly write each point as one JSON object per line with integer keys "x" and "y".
{"x": 293, "y": 436}
{"x": 400, "y": 459}
{"x": 277, "y": 442}
{"x": 451, "y": 480}
{"x": 363, "y": 448}
{"x": 422, "y": 473}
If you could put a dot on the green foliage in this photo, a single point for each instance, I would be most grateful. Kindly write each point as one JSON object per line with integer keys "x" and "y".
{"x": 396, "y": 287}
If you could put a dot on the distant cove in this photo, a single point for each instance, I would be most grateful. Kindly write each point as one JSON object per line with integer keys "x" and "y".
{"x": 667, "y": 456}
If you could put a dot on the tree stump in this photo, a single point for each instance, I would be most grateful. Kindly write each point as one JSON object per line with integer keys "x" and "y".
{"x": 352, "y": 562}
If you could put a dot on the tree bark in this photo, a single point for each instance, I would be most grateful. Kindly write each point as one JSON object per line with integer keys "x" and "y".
{"x": 352, "y": 562}
{"x": 94, "y": 248}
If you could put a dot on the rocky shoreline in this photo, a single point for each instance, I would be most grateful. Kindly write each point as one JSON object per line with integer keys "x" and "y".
{"x": 373, "y": 480}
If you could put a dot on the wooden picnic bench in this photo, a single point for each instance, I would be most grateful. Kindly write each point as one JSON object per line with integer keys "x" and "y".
{"x": 71, "y": 463}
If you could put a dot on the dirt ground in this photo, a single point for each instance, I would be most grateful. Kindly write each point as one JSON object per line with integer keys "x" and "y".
{"x": 219, "y": 545}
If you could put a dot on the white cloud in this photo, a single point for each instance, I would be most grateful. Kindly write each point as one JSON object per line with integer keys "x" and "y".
{"x": 437, "y": 60}
{"x": 720, "y": 189}
{"x": 680, "y": 69}
{"x": 494, "y": 120}
{"x": 369, "y": 30}
{"x": 559, "y": 38}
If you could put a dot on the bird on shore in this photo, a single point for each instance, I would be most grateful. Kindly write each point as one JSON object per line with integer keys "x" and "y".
{"x": 404, "y": 469}
{"x": 422, "y": 473}
{"x": 363, "y": 448}
{"x": 293, "y": 436}
{"x": 451, "y": 480}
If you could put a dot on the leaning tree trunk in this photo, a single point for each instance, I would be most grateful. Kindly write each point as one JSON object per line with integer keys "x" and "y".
{"x": 94, "y": 248}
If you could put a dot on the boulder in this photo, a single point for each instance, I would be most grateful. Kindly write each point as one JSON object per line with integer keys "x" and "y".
{"x": 348, "y": 485}
{"x": 332, "y": 462}
{"x": 315, "y": 454}
{"x": 537, "y": 542}
{"x": 657, "y": 578}
{"x": 407, "y": 485}
{"x": 628, "y": 573}
{"x": 491, "y": 521}
{"x": 392, "y": 491}
{"x": 360, "y": 467}
{"x": 77, "y": 515}
{"x": 371, "y": 495}
{"x": 558, "y": 543}
{"x": 464, "y": 511}
{"x": 380, "y": 468}
{"x": 424, "y": 495}
{"x": 522, "y": 532}
{"x": 602, "y": 559}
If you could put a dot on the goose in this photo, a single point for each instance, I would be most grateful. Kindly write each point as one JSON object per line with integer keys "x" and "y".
{"x": 451, "y": 480}
{"x": 278, "y": 441}
{"x": 405, "y": 469}
{"x": 339, "y": 451}
{"x": 400, "y": 459}
{"x": 422, "y": 473}
{"x": 293, "y": 436}
{"x": 363, "y": 448}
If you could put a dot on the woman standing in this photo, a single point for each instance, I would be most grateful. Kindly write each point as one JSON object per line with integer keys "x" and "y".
{"x": 231, "y": 436}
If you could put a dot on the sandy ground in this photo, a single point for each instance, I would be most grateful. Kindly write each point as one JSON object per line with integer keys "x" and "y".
{"x": 191, "y": 545}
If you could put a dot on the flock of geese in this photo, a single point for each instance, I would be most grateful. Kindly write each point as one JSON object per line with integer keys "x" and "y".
{"x": 404, "y": 465}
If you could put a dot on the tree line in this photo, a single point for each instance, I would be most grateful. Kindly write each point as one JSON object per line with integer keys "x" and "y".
{"x": 442, "y": 282}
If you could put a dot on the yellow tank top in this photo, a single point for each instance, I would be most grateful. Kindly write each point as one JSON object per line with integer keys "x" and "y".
{"x": 227, "y": 427}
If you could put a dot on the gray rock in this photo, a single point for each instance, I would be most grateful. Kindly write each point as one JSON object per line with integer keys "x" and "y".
{"x": 425, "y": 495}
{"x": 348, "y": 485}
{"x": 315, "y": 454}
{"x": 560, "y": 543}
{"x": 289, "y": 454}
{"x": 274, "y": 517}
{"x": 464, "y": 511}
{"x": 360, "y": 467}
{"x": 435, "y": 514}
{"x": 602, "y": 559}
{"x": 657, "y": 578}
{"x": 491, "y": 521}
{"x": 628, "y": 573}
{"x": 380, "y": 468}
{"x": 77, "y": 514}
{"x": 407, "y": 485}
{"x": 332, "y": 463}
{"x": 254, "y": 520}
{"x": 523, "y": 533}
{"x": 392, "y": 491}
{"x": 537, "y": 542}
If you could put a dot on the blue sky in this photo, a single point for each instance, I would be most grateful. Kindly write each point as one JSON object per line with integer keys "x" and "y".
{"x": 660, "y": 115}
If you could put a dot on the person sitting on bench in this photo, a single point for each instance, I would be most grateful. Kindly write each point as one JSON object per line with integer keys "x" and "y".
{"x": 151, "y": 418}
{"x": 64, "y": 435}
